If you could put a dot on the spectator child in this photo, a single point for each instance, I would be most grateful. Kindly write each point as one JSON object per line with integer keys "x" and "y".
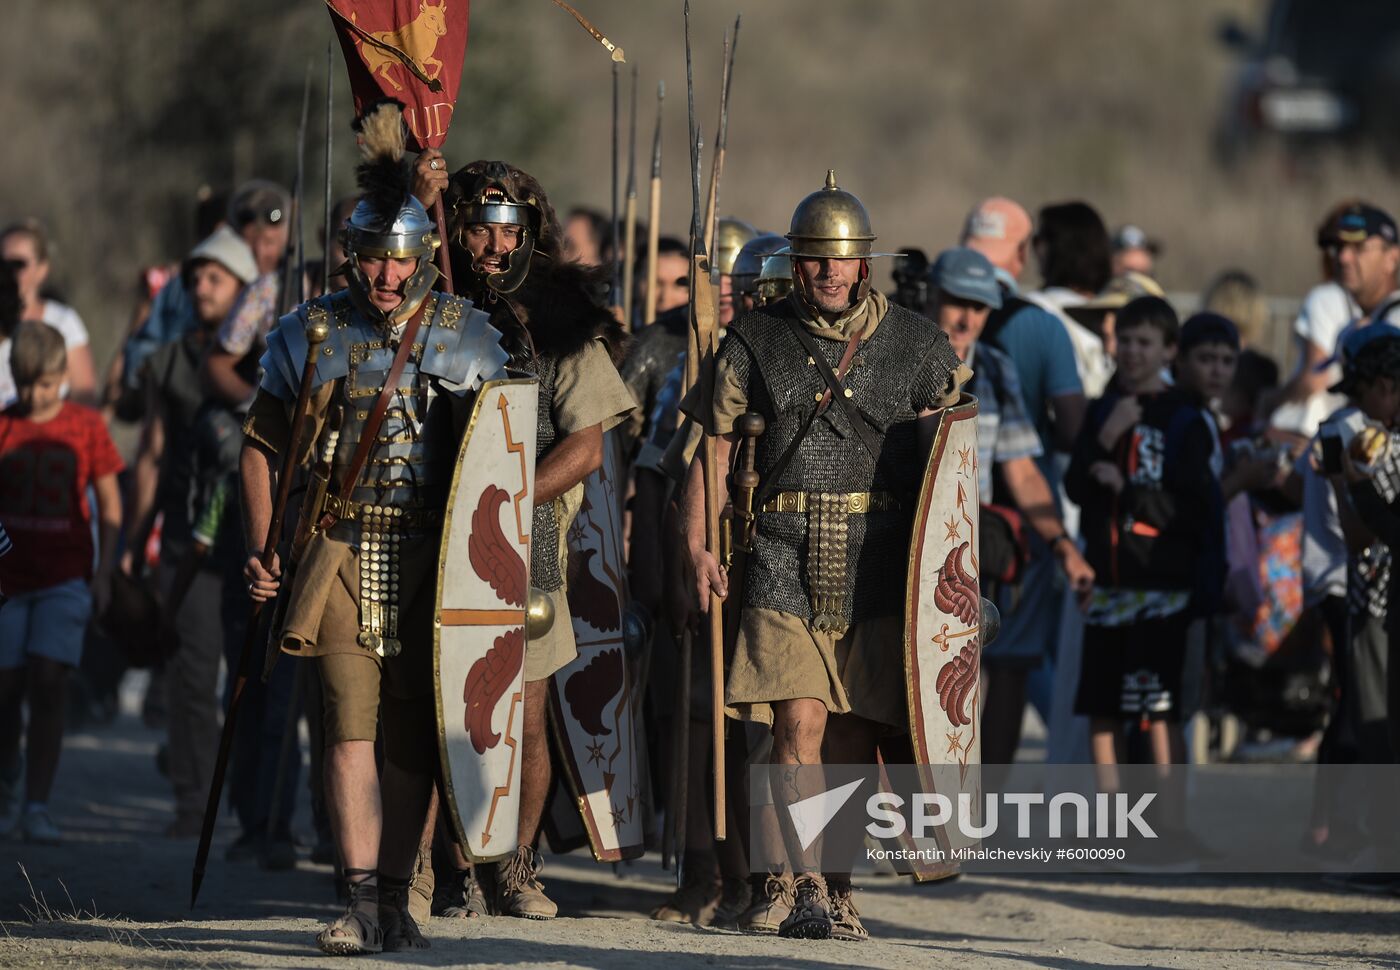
{"x": 51, "y": 451}
{"x": 1151, "y": 517}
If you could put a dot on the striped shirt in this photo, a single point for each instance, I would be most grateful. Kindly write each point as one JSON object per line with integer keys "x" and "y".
{"x": 1004, "y": 428}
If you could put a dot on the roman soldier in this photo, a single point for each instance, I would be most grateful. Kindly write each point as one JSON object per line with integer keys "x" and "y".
{"x": 505, "y": 245}
{"x": 847, "y": 385}
{"x": 748, "y": 266}
{"x": 395, "y": 380}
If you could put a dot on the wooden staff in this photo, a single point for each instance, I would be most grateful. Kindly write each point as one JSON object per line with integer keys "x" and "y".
{"x": 614, "y": 225}
{"x": 700, "y": 363}
{"x": 444, "y": 262}
{"x": 293, "y": 276}
{"x": 316, "y": 333}
{"x": 329, "y": 237}
{"x": 654, "y": 213}
{"x": 629, "y": 245}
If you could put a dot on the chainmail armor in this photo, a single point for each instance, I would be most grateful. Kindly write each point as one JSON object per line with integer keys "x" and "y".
{"x": 544, "y": 540}
{"x": 905, "y": 368}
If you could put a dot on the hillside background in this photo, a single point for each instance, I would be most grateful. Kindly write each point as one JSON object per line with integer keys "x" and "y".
{"x": 118, "y": 112}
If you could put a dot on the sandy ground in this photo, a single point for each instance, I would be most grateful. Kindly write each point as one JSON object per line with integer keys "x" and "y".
{"x": 115, "y": 896}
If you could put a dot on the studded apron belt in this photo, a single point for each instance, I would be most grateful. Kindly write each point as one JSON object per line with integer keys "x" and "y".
{"x": 828, "y": 528}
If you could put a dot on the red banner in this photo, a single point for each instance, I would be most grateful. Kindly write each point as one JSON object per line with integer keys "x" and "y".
{"x": 411, "y": 50}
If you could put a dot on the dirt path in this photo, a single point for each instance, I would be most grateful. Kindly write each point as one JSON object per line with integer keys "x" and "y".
{"x": 126, "y": 887}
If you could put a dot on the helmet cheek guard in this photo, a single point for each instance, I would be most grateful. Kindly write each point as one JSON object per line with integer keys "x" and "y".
{"x": 409, "y": 232}
{"x": 517, "y": 268}
{"x": 493, "y": 196}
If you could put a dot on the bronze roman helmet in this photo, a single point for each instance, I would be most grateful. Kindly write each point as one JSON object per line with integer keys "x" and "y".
{"x": 749, "y": 263}
{"x": 775, "y": 278}
{"x": 832, "y": 223}
{"x": 730, "y": 236}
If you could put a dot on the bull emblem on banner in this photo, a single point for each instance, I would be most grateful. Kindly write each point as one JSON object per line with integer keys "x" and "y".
{"x": 414, "y": 43}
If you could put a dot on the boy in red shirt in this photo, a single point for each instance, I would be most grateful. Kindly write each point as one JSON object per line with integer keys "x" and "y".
{"x": 51, "y": 451}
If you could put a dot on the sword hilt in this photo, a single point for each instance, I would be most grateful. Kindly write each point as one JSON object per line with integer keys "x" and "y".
{"x": 751, "y": 427}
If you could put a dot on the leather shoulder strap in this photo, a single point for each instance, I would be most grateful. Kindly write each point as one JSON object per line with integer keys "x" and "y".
{"x": 767, "y": 488}
{"x": 381, "y": 405}
{"x": 835, "y": 391}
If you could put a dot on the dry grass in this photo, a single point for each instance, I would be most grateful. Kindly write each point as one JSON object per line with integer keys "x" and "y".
{"x": 54, "y": 929}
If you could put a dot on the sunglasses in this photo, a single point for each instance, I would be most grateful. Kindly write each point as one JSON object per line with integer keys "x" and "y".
{"x": 16, "y": 265}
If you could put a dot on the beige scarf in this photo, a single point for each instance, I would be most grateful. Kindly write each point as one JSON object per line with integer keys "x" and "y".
{"x": 861, "y": 319}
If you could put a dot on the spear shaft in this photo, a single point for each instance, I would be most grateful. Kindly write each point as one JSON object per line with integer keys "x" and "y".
{"x": 654, "y": 213}
{"x": 616, "y": 229}
{"x": 731, "y": 47}
{"x": 289, "y": 291}
{"x": 629, "y": 246}
{"x": 704, "y": 317}
{"x": 328, "y": 238}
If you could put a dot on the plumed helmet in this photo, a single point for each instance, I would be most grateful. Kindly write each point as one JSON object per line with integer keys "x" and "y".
{"x": 730, "y": 236}
{"x": 749, "y": 262}
{"x": 495, "y": 193}
{"x": 831, "y": 222}
{"x": 388, "y": 222}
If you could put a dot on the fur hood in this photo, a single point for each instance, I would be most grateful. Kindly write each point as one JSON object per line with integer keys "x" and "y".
{"x": 559, "y": 304}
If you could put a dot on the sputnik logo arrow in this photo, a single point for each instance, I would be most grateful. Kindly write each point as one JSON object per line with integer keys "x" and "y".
{"x": 811, "y": 815}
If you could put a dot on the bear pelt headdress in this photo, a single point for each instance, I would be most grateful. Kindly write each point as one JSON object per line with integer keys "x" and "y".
{"x": 557, "y": 300}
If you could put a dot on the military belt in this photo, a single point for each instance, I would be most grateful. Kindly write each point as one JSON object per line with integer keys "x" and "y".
{"x": 408, "y": 519}
{"x": 857, "y": 503}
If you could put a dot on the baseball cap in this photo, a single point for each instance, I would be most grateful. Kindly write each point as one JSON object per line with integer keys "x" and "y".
{"x": 966, "y": 274}
{"x": 1357, "y": 223}
{"x": 1349, "y": 347}
{"x": 259, "y": 200}
{"x": 227, "y": 248}
{"x": 1207, "y": 328}
{"x": 996, "y": 228}
{"x": 1133, "y": 237}
{"x": 1122, "y": 290}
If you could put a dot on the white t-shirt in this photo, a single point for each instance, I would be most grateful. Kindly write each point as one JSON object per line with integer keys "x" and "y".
{"x": 62, "y": 318}
{"x": 1095, "y": 366}
{"x": 1327, "y": 310}
{"x": 1324, "y": 546}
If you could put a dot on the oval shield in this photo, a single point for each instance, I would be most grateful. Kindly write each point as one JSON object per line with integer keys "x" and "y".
{"x": 942, "y": 621}
{"x": 592, "y": 704}
{"x": 483, "y": 589}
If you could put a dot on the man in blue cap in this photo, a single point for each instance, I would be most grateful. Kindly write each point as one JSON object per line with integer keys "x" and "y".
{"x": 963, "y": 291}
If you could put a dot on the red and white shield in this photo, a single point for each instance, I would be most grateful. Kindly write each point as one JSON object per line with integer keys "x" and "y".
{"x": 943, "y": 611}
{"x": 483, "y": 591}
{"x": 594, "y": 712}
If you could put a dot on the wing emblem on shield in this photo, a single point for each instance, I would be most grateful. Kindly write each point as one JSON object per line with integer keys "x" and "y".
{"x": 944, "y": 604}
{"x": 943, "y": 619}
{"x": 483, "y": 587}
{"x": 592, "y": 701}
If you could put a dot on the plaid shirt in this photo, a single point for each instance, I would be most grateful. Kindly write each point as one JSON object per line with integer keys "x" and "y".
{"x": 252, "y": 317}
{"x": 1368, "y": 573}
{"x": 1004, "y": 428}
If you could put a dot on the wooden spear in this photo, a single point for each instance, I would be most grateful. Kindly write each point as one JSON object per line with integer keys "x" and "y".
{"x": 654, "y": 213}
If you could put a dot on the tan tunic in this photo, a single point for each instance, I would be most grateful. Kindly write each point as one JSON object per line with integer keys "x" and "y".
{"x": 588, "y": 391}
{"x": 778, "y": 656}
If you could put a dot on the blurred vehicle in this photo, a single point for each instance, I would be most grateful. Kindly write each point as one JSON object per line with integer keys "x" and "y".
{"x": 1320, "y": 72}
